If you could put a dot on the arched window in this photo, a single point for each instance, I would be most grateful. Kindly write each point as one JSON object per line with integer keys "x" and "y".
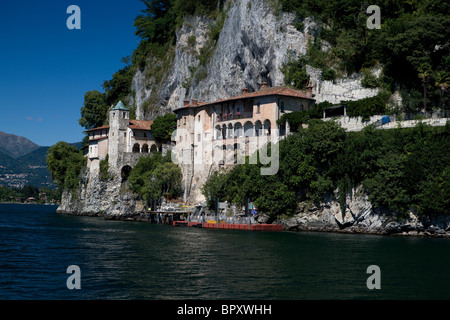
{"x": 153, "y": 148}
{"x": 238, "y": 130}
{"x": 136, "y": 148}
{"x": 224, "y": 131}
{"x": 258, "y": 128}
{"x": 267, "y": 128}
{"x": 218, "y": 132}
{"x": 248, "y": 129}
{"x": 125, "y": 172}
{"x": 145, "y": 148}
{"x": 230, "y": 131}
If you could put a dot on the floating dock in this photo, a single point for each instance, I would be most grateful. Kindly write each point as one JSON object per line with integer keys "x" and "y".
{"x": 229, "y": 226}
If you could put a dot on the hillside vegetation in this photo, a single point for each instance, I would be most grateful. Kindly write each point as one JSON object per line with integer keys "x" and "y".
{"x": 412, "y": 45}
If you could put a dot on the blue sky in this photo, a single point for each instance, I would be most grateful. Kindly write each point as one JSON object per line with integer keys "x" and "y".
{"x": 45, "y": 68}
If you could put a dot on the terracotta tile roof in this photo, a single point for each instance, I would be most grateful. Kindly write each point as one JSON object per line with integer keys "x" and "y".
{"x": 267, "y": 91}
{"x": 270, "y": 91}
{"x": 140, "y": 124}
{"x": 133, "y": 124}
{"x": 98, "y": 128}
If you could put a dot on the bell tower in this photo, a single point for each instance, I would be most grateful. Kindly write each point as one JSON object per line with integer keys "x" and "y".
{"x": 119, "y": 117}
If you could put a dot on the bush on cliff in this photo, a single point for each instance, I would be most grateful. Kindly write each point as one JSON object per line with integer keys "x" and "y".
{"x": 155, "y": 176}
{"x": 64, "y": 162}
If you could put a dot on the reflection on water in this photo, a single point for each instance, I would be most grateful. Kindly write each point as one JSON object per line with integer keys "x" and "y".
{"x": 127, "y": 260}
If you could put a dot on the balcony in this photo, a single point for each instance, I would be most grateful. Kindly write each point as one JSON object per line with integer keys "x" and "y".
{"x": 236, "y": 116}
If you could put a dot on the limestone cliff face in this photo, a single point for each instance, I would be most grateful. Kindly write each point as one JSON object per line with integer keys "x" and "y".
{"x": 253, "y": 44}
{"x": 359, "y": 216}
{"x": 97, "y": 197}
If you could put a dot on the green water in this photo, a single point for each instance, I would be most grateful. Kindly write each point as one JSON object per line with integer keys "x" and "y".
{"x": 129, "y": 260}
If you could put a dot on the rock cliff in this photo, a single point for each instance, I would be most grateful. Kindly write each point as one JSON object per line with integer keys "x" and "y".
{"x": 98, "y": 197}
{"x": 357, "y": 215}
{"x": 253, "y": 44}
{"x": 255, "y": 41}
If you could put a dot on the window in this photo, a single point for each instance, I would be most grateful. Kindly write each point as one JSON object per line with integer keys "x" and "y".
{"x": 124, "y": 134}
{"x": 282, "y": 106}
{"x": 258, "y": 107}
{"x": 199, "y": 137}
{"x": 199, "y": 118}
{"x": 123, "y": 114}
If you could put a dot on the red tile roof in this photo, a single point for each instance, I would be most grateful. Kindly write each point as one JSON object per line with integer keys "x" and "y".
{"x": 267, "y": 91}
{"x": 133, "y": 124}
{"x": 140, "y": 124}
{"x": 98, "y": 128}
{"x": 270, "y": 91}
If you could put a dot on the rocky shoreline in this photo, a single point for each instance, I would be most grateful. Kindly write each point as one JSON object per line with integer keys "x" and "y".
{"x": 358, "y": 216}
{"x": 320, "y": 221}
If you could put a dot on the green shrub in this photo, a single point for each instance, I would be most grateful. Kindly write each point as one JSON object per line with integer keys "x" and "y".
{"x": 369, "y": 80}
{"x": 366, "y": 107}
{"x": 104, "y": 168}
{"x": 65, "y": 162}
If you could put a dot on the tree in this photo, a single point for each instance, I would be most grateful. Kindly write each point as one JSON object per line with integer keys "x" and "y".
{"x": 166, "y": 179}
{"x": 214, "y": 188}
{"x": 442, "y": 80}
{"x": 119, "y": 87}
{"x": 158, "y": 23}
{"x": 295, "y": 73}
{"x": 424, "y": 75}
{"x": 64, "y": 162}
{"x": 94, "y": 111}
{"x": 155, "y": 176}
{"x": 163, "y": 127}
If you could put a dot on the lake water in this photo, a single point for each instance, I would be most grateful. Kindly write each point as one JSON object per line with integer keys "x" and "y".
{"x": 131, "y": 260}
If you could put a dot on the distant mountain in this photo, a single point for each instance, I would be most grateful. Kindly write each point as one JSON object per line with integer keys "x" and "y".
{"x": 16, "y": 146}
{"x": 29, "y": 169}
{"x": 23, "y": 162}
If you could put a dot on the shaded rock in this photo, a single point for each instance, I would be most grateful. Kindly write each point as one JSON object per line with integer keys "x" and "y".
{"x": 392, "y": 227}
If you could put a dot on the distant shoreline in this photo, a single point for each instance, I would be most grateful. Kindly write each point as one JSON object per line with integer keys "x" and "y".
{"x": 41, "y": 204}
